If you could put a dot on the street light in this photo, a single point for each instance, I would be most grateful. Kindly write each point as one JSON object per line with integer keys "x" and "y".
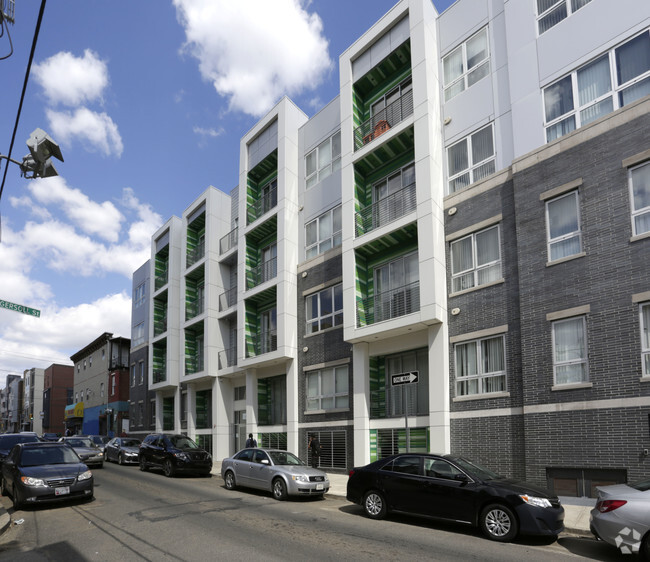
{"x": 38, "y": 162}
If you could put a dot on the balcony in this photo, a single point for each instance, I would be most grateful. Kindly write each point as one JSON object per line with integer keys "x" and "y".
{"x": 195, "y": 254}
{"x": 228, "y": 357}
{"x": 228, "y": 242}
{"x": 389, "y": 304}
{"x": 262, "y": 273}
{"x": 161, "y": 278}
{"x": 193, "y": 365}
{"x": 386, "y": 210}
{"x": 383, "y": 120}
{"x": 227, "y": 299}
{"x": 263, "y": 205}
{"x": 262, "y": 343}
{"x": 194, "y": 308}
{"x": 159, "y": 326}
{"x": 160, "y": 375}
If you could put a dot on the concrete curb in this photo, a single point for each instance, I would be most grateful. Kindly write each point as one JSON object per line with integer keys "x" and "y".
{"x": 5, "y": 520}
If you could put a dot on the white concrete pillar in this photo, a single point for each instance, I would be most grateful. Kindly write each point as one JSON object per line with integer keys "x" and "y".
{"x": 292, "y": 406}
{"x": 190, "y": 409}
{"x": 439, "y": 423}
{"x": 222, "y": 438}
{"x": 251, "y": 402}
{"x": 361, "y": 398}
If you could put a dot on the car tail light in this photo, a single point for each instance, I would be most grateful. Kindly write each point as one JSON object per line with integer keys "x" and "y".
{"x": 350, "y": 473}
{"x": 609, "y": 505}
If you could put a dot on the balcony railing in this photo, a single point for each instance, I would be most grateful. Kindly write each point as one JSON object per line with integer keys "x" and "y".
{"x": 263, "y": 272}
{"x": 160, "y": 375}
{"x": 383, "y": 120}
{"x": 263, "y": 343}
{"x": 195, "y": 254}
{"x": 161, "y": 279}
{"x": 228, "y": 242}
{"x": 263, "y": 205}
{"x": 389, "y": 304}
{"x": 228, "y": 357}
{"x": 194, "y": 308}
{"x": 159, "y": 326}
{"x": 193, "y": 365}
{"x": 227, "y": 299}
{"x": 386, "y": 210}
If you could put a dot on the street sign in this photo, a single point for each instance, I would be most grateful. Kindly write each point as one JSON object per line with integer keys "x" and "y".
{"x": 404, "y": 378}
{"x": 20, "y": 308}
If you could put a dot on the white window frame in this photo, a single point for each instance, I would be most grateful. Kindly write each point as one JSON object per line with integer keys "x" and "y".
{"x": 138, "y": 297}
{"x": 138, "y": 334}
{"x": 322, "y": 245}
{"x": 463, "y": 79}
{"x": 643, "y": 211}
{"x": 335, "y": 316}
{"x": 464, "y": 383}
{"x": 321, "y": 171}
{"x": 113, "y": 385}
{"x": 583, "y": 360}
{"x": 645, "y": 339}
{"x": 473, "y": 168}
{"x": 550, "y": 242}
{"x": 573, "y": 118}
{"x": 132, "y": 375}
{"x": 568, "y": 6}
{"x": 475, "y": 269}
{"x": 317, "y": 399}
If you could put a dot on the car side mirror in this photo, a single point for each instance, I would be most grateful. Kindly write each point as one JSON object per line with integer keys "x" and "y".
{"x": 265, "y": 461}
{"x": 461, "y": 477}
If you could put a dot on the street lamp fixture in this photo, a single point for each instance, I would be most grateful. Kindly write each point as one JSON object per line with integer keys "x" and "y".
{"x": 38, "y": 163}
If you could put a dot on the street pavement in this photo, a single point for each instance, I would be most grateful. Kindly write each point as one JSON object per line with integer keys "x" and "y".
{"x": 576, "y": 510}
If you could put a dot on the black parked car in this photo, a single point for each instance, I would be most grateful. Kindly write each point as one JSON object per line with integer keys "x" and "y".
{"x": 8, "y": 440}
{"x": 42, "y": 472}
{"x": 453, "y": 488}
{"x": 173, "y": 453}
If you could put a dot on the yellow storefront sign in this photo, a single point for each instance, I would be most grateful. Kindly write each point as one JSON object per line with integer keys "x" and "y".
{"x": 74, "y": 411}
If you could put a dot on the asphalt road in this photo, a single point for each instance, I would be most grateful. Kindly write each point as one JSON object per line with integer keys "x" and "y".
{"x": 145, "y": 516}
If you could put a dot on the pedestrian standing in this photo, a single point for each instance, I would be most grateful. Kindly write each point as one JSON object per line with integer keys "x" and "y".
{"x": 315, "y": 447}
{"x": 251, "y": 442}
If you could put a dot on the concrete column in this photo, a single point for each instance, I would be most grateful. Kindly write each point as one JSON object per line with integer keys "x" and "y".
{"x": 159, "y": 412}
{"x": 439, "y": 389}
{"x": 361, "y": 400}
{"x": 251, "y": 402}
{"x": 190, "y": 409}
{"x": 292, "y": 406}
{"x": 222, "y": 397}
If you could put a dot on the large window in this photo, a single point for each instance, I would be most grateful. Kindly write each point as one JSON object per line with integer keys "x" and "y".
{"x": 552, "y": 12}
{"x": 471, "y": 159}
{"x": 323, "y": 233}
{"x": 480, "y": 366}
{"x": 138, "y": 297}
{"x": 323, "y": 160}
{"x": 328, "y": 389}
{"x": 609, "y": 82}
{"x": 563, "y": 226}
{"x": 466, "y": 64}
{"x": 397, "y": 287}
{"x": 645, "y": 338}
{"x": 476, "y": 259}
{"x": 324, "y": 309}
{"x": 138, "y": 334}
{"x": 570, "y": 351}
{"x": 640, "y": 198}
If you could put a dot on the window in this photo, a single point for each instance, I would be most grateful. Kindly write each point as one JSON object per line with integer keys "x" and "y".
{"x": 90, "y": 361}
{"x": 140, "y": 413}
{"x": 466, "y": 64}
{"x": 87, "y": 394}
{"x": 480, "y": 366}
{"x": 152, "y": 411}
{"x": 132, "y": 375}
{"x": 387, "y": 110}
{"x": 393, "y": 196}
{"x": 141, "y": 372}
{"x": 323, "y": 233}
{"x": 471, "y": 159}
{"x": 328, "y": 389}
{"x": 138, "y": 296}
{"x": 138, "y": 334}
{"x": 323, "y": 160}
{"x": 563, "y": 226}
{"x": 103, "y": 354}
{"x": 476, "y": 259}
{"x": 240, "y": 393}
{"x": 610, "y": 82}
{"x": 101, "y": 389}
{"x": 552, "y": 12}
{"x": 78, "y": 367}
{"x": 324, "y": 309}
{"x": 397, "y": 287}
{"x": 645, "y": 339}
{"x": 570, "y": 351}
{"x": 76, "y": 397}
{"x": 640, "y": 198}
{"x": 113, "y": 383}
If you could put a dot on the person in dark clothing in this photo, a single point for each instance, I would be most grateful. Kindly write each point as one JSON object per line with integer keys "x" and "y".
{"x": 315, "y": 447}
{"x": 250, "y": 442}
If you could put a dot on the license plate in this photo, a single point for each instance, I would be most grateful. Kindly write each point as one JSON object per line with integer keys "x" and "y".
{"x": 61, "y": 491}
{"x": 319, "y": 486}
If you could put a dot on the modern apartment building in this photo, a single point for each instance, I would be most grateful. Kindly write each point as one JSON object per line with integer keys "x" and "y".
{"x": 452, "y": 255}
{"x": 58, "y": 391}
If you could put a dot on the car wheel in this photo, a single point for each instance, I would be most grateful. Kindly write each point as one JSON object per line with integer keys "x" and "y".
{"x": 143, "y": 465}
{"x": 120, "y": 460}
{"x": 374, "y": 505}
{"x": 498, "y": 522}
{"x": 168, "y": 468}
{"x": 14, "y": 497}
{"x": 644, "y": 551}
{"x": 229, "y": 479}
{"x": 279, "y": 489}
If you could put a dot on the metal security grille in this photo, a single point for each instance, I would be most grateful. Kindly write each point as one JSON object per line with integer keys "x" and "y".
{"x": 273, "y": 441}
{"x": 334, "y": 451}
{"x": 393, "y": 441}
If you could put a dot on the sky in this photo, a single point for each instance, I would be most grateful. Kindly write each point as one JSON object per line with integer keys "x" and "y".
{"x": 148, "y": 101}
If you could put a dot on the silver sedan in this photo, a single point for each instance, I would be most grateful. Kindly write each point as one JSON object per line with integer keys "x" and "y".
{"x": 88, "y": 452}
{"x": 622, "y": 517}
{"x": 279, "y": 472}
{"x": 122, "y": 450}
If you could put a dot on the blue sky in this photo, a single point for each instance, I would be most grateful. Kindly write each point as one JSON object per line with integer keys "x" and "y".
{"x": 148, "y": 101}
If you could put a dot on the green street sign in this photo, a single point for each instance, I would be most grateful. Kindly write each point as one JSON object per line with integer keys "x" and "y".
{"x": 20, "y": 308}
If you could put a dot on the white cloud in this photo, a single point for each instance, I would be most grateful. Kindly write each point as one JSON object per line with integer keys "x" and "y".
{"x": 96, "y": 131}
{"x": 255, "y": 52}
{"x": 201, "y": 131}
{"x": 71, "y": 80}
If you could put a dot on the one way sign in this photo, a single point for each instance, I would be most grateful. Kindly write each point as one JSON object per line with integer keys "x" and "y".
{"x": 404, "y": 378}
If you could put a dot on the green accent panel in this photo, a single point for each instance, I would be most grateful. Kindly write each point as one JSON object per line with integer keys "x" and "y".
{"x": 267, "y": 390}
{"x": 204, "y": 409}
{"x": 168, "y": 414}
{"x": 373, "y": 445}
{"x": 377, "y": 381}
{"x": 393, "y": 441}
{"x": 386, "y": 153}
{"x": 257, "y": 178}
{"x": 192, "y": 285}
{"x": 262, "y": 236}
{"x": 159, "y": 366}
{"x": 195, "y": 230}
{"x": 193, "y": 361}
{"x": 161, "y": 266}
{"x": 254, "y": 307}
{"x": 160, "y": 314}
{"x": 273, "y": 440}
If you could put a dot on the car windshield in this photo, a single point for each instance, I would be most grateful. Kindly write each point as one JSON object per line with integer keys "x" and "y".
{"x": 98, "y": 439}
{"x": 8, "y": 441}
{"x": 182, "y": 442}
{"x": 130, "y": 443}
{"x": 48, "y": 455}
{"x": 283, "y": 458}
{"x": 477, "y": 470}
{"x": 80, "y": 442}
{"x": 642, "y": 486}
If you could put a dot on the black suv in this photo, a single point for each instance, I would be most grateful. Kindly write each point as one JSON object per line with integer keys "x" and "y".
{"x": 173, "y": 453}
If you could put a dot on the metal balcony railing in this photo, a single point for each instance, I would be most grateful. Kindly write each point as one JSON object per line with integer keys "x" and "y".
{"x": 263, "y": 205}
{"x": 386, "y": 210}
{"x": 161, "y": 279}
{"x": 263, "y": 343}
{"x": 390, "y": 304}
{"x": 228, "y": 241}
{"x": 383, "y": 120}
{"x": 228, "y": 357}
{"x": 193, "y": 365}
{"x": 194, "y": 308}
{"x": 227, "y": 299}
{"x": 160, "y": 375}
{"x": 263, "y": 272}
{"x": 195, "y": 254}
